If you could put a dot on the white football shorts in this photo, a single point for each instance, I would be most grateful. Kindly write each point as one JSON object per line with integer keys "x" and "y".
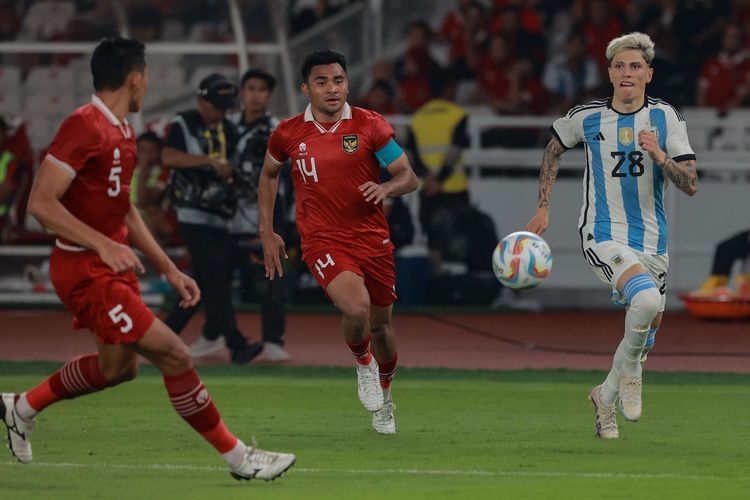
{"x": 609, "y": 259}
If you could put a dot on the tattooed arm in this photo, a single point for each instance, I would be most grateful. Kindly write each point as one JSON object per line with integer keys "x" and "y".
{"x": 547, "y": 175}
{"x": 682, "y": 173}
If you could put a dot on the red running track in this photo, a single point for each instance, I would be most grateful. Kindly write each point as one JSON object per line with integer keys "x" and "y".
{"x": 573, "y": 340}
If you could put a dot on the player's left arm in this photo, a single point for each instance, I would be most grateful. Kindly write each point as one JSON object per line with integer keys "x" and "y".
{"x": 682, "y": 173}
{"x": 403, "y": 179}
{"x": 143, "y": 240}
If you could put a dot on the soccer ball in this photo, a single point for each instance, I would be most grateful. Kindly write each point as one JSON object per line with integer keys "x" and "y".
{"x": 522, "y": 260}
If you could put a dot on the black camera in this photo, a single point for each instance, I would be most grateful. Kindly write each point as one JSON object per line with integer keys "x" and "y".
{"x": 203, "y": 190}
{"x": 247, "y": 175}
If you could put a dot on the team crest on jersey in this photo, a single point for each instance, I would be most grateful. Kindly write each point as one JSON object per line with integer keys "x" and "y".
{"x": 626, "y": 136}
{"x": 618, "y": 260}
{"x": 116, "y": 157}
{"x": 350, "y": 143}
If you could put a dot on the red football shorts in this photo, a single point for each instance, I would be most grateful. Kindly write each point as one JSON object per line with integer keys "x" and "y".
{"x": 379, "y": 272}
{"x": 106, "y": 302}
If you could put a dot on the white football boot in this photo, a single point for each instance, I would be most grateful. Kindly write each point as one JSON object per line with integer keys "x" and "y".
{"x": 383, "y": 420}
{"x": 606, "y": 419}
{"x": 261, "y": 464}
{"x": 630, "y": 397}
{"x": 18, "y": 430}
{"x": 368, "y": 386}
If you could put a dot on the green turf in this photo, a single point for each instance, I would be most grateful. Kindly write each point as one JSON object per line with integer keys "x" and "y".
{"x": 461, "y": 434}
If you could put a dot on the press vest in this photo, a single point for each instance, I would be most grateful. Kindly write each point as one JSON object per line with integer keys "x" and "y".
{"x": 433, "y": 126}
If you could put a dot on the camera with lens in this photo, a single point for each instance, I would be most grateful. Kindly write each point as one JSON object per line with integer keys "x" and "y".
{"x": 202, "y": 189}
{"x": 247, "y": 174}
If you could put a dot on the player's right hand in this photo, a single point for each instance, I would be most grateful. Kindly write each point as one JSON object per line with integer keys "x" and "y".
{"x": 273, "y": 249}
{"x": 540, "y": 222}
{"x": 186, "y": 286}
{"x": 120, "y": 258}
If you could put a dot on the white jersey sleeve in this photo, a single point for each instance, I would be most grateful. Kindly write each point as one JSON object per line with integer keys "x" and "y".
{"x": 569, "y": 128}
{"x": 678, "y": 146}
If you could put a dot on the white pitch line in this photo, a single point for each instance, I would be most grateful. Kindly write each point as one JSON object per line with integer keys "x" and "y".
{"x": 413, "y": 472}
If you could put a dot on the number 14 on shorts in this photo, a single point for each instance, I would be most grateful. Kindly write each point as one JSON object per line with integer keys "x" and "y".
{"x": 320, "y": 264}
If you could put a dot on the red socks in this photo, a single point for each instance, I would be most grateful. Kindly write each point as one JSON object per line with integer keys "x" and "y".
{"x": 361, "y": 351}
{"x": 187, "y": 394}
{"x": 77, "y": 377}
{"x": 387, "y": 371}
{"x": 193, "y": 403}
{"x": 363, "y": 356}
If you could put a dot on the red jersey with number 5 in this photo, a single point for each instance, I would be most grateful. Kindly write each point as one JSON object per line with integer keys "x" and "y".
{"x": 99, "y": 153}
{"x": 329, "y": 163}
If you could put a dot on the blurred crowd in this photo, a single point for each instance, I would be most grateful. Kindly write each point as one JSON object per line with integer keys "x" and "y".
{"x": 516, "y": 56}
{"x": 152, "y": 20}
{"x": 537, "y": 56}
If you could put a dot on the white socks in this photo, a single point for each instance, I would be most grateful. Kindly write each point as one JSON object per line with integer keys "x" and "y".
{"x": 644, "y": 299}
{"x": 234, "y": 457}
{"x": 24, "y": 409}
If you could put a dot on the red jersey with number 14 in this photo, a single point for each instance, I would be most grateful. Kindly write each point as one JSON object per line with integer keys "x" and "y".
{"x": 99, "y": 153}
{"x": 329, "y": 163}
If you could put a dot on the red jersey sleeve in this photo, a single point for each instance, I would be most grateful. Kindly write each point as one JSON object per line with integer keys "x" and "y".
{"x": 75, "y": 143}
{"x": 277, "y": 146}
{"x": 381, "y": 132}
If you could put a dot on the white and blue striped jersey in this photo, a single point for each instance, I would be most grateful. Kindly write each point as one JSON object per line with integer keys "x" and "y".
{"x": 623, "y": 197}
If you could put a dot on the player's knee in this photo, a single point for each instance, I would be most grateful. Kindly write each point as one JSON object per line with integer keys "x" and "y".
{"x": 175, "y": 360}
{"x": 646, "y": 304}
{"x": 356, "y": 311}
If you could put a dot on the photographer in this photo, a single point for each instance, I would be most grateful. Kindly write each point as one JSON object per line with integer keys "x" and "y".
{"x": 200, "y": 150}
{"x": 254, "y": 125}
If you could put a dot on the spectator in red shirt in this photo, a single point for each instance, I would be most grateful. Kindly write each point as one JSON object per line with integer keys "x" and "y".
{"x": 381, "y": 98}
{"x": 414, "y": 87}
{"x": 723, "y": 81}
{"x": 452, "y": 28}
{"x": 600, "y": 27}
{"x": 523, "y": 43}
{"x": 498, "y": 76}
{"x": 465, "y": 31}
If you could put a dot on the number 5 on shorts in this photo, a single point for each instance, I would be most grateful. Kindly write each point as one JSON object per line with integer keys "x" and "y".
{"x": 117, "y": 315}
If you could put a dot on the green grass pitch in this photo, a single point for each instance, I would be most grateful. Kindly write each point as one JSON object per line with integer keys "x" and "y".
{"x": 461, "y": 434}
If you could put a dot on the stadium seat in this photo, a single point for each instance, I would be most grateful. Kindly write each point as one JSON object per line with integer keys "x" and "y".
{"x": 39, "y": 128}
{"x": 49, "y": 104}
{"x": 57, "y": 78}
{"x": 10, "y": 77}
{"x": 165, "y": 76}
{"x": 10, "y": 101}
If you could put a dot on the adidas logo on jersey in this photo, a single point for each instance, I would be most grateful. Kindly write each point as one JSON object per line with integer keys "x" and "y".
{"x": 598, "y": 137}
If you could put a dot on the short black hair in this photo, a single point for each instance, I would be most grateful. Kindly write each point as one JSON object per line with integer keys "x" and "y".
{"x": 114, "y": 59}
{"x": 260, "y": 75}
{"x": 150, "y": 135}
{"x": 321, "y": 58}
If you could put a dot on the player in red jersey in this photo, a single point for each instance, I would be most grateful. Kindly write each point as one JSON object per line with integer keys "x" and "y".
{"x": 82, "y": 192}
{"x": 337, "y": 153}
